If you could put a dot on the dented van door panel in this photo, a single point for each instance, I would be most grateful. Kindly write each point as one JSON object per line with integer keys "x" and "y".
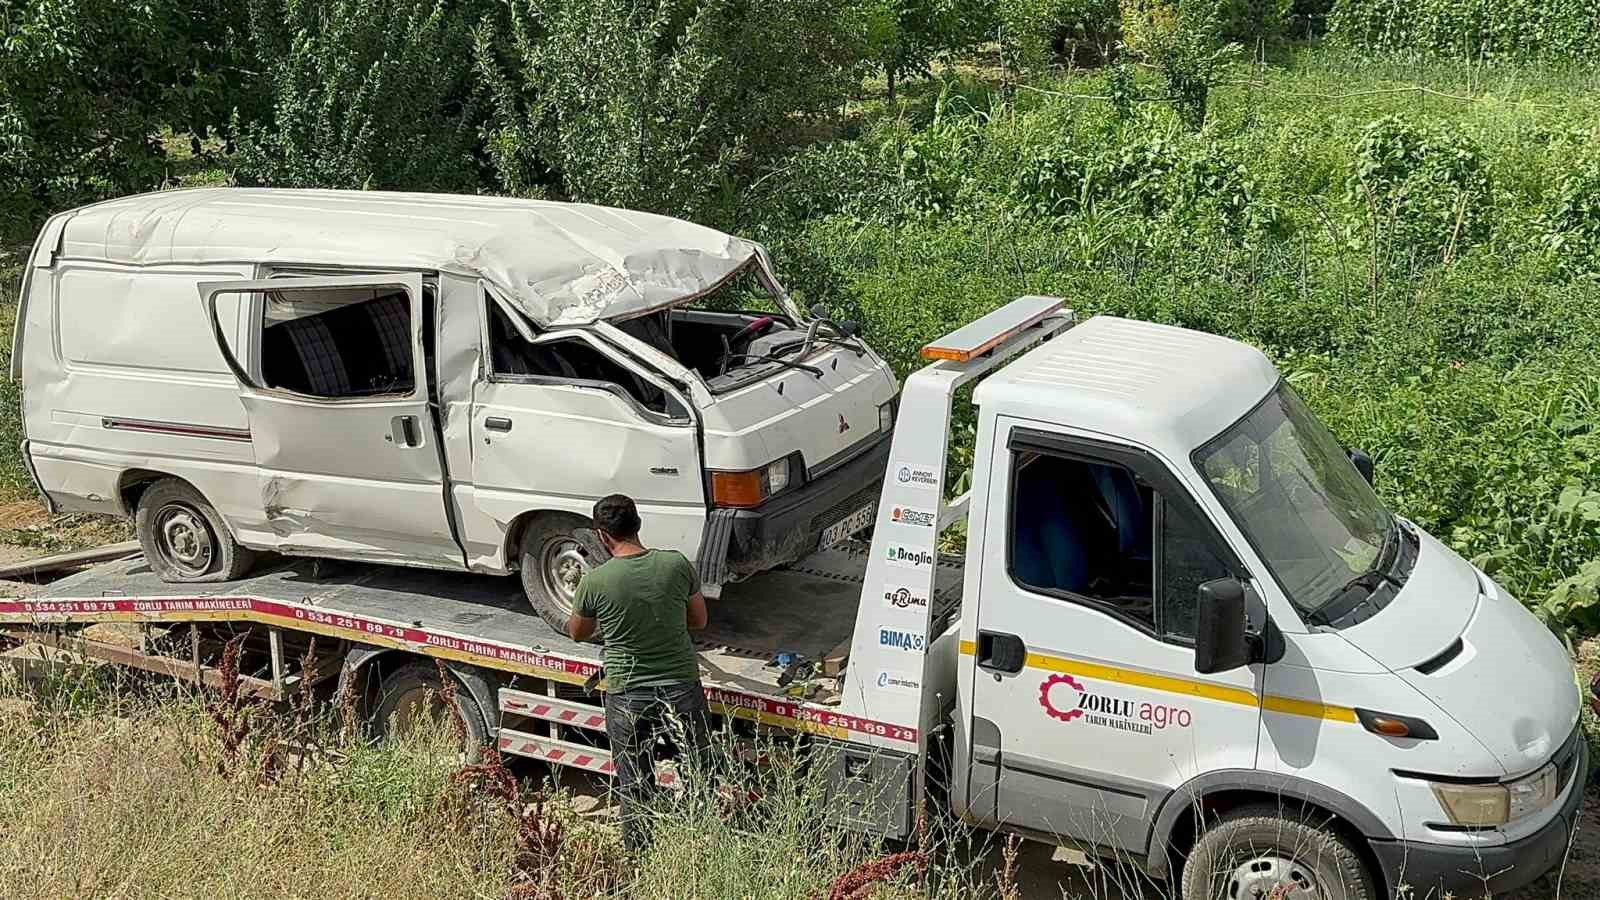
{"x": 544, "y": 444}
{"x": 357, "y": 477}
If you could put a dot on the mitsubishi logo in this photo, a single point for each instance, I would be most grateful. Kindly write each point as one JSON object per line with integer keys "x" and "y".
{"x": 843, "y": 425}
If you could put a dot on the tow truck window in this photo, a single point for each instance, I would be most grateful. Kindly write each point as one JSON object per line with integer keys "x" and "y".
{"x": 1094, "y": 533}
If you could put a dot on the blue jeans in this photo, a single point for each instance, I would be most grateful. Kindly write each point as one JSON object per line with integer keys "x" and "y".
{"x": 634, "y": 718}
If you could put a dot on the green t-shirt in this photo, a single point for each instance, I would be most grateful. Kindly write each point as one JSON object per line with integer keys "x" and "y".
{"x": 642, "y": 604}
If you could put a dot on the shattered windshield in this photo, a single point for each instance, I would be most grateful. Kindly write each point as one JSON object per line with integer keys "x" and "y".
{"x": 1292, "y": 490}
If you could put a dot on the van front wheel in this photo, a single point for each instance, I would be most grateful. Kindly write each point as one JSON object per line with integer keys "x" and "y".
{"x": 183, "y": 537}
{"x": 1263, "y": 851}
{"x": 552, "y": 562}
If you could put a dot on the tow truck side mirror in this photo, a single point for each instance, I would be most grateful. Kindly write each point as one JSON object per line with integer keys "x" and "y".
{"x": 1362, "y": 460}
{"x": 1221, "y": 642}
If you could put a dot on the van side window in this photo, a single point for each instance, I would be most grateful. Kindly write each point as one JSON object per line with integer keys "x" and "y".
{"x": 571, "y": 361}
{"x": 338, "y": 343}
{"x": 1093, "y": 532}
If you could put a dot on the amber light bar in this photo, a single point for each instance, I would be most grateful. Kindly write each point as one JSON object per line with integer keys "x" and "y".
{"x": 987, "y": 332}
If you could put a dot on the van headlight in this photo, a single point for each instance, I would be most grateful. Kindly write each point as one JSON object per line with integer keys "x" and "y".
{"x": 886, "y": 417}
{"x": 1481, "y": 805}
{"x": 751, "y": 487}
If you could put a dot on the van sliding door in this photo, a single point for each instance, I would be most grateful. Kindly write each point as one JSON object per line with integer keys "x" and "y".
{"x": 333, "y": 375}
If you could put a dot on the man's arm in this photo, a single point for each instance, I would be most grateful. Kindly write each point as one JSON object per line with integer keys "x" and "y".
{"x": 697, "y": 611}
{"x": 581, "y": 628}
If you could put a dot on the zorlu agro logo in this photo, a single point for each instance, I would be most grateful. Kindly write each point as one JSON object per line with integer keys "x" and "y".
{"x": 1065, "y": 699}
{"x": 911, "y": 559}
{"x": 901, "y": 597}
{"x": 909, "y": 515}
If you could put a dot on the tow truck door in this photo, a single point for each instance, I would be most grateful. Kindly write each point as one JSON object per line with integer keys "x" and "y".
{"x": 1086, "y": 708}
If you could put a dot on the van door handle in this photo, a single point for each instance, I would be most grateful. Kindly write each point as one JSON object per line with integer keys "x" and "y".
{"x": 403, "y": 431}
{"x": 1001, "y": 653}
{"x": 497, "y": 423}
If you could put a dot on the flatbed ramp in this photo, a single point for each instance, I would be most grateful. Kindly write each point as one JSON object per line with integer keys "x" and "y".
{"x": 807, "y": 611}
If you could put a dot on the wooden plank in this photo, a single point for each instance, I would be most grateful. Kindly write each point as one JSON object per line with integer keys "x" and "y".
{"x": 181, "y": 669}
{"x": 55, "y": 562}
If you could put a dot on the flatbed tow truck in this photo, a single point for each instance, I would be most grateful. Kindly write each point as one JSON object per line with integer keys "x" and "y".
{"x": 1184, "y": 633}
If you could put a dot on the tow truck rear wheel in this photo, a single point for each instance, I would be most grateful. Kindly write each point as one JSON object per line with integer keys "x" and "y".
{"x": 414, "y": 690}
{"x": 183, "y": 537}
{"x": 1261, "y": 852}
{"x": 552, "y": 562}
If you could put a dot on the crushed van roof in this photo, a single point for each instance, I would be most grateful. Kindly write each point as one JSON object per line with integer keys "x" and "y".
{"x": 1167, "y": 388}
{"x": 561, "y": 263}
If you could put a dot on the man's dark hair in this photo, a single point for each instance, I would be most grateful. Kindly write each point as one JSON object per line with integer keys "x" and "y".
{"x": 617, "y": 516}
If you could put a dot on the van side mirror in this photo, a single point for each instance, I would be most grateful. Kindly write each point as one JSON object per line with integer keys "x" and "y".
{"x": 1221, "y": 642}
{"x": 1362, "y": 461}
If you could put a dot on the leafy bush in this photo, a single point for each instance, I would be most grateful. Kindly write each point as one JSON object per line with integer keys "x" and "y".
{"x": 364, "y": 94}
{"x": 1038, "y": 32}
{"x": 657, "y": 105}
{"x": 1423, "y": 189}
{"x": 1570, "y": 222}
{"x": 905, "y": 36}
{"x": 85, "y": 86}
{"x": 1485, "y": 28}
{"x": 1184, "y": 42}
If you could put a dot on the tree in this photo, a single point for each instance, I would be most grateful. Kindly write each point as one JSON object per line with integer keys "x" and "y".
{"x": 657, "y": 104}
{"x": 905, "y": 36}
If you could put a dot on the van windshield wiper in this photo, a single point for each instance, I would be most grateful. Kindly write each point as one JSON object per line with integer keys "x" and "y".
{"x": 787, "y": 364}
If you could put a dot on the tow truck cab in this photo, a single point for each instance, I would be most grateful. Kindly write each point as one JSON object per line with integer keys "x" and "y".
{"x": 1190, "y": 630}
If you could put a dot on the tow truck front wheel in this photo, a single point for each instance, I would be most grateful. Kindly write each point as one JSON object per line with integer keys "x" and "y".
{"x": 1257, "y": 853}
{"x": 183, "y": 537}
{"x": 553, "y": 561}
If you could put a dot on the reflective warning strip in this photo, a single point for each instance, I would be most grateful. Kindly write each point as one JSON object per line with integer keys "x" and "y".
{"x": 1206, "y": 690}
{"x": 575, "y": 756}
{"x": 792, "y": 716}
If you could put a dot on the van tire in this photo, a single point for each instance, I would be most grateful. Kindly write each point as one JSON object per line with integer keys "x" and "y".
{"x": 185, "y": 541}
{"x": 1257, "y": 848}
{"x": 402, "y": 691}
{"x": 551, "y": 561}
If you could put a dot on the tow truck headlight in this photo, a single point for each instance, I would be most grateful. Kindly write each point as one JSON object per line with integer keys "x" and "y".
{"x": 1482, "y": 805}
{"x": 751, "y": 487}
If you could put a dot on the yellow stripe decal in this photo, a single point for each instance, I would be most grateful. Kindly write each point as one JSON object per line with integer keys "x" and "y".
{"x": 1203, "y": 689}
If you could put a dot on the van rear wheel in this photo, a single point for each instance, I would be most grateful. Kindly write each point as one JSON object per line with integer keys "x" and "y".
{"x": 553, "y": 561}
{"x": 183, "y": 537}
{"x": 1263, "y": 851}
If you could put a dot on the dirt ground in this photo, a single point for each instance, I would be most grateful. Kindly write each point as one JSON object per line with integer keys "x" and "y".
{"x": 1042, "y": 871}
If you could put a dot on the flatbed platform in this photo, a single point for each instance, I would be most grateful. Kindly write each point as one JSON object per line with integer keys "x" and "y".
{"x": 808, "y": 610}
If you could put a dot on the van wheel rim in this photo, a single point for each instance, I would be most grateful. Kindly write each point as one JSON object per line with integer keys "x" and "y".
{"x": 184, "y": 539}
{"x": 1273, "y": 877}
{"x": 562, "y": 565}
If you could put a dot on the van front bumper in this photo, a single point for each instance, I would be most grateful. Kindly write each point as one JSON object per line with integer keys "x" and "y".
{"x": 1432, "y": 870}
{"x": 742, "y": 542}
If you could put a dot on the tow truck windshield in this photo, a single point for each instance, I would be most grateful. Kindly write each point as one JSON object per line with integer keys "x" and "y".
{"x": 1292, "y": 490}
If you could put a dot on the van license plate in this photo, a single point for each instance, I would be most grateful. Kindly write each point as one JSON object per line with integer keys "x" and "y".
{"x": 847, "y": 526}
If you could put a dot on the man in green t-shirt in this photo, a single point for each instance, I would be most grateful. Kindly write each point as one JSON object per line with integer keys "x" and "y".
{"x": 643, "y": 603}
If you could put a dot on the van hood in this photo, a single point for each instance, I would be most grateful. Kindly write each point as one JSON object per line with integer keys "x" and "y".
{"x": 1509, "y": 682}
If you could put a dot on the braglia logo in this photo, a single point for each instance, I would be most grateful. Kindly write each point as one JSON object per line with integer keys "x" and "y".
{"x": 901, "y": 597}
{"x": 901, "y": 640}
{"x": 909, "y": 558}
{"x": 910, "y": 515}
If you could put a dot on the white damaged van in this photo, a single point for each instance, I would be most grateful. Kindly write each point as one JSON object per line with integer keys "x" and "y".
{"x": 436, "y": 380}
